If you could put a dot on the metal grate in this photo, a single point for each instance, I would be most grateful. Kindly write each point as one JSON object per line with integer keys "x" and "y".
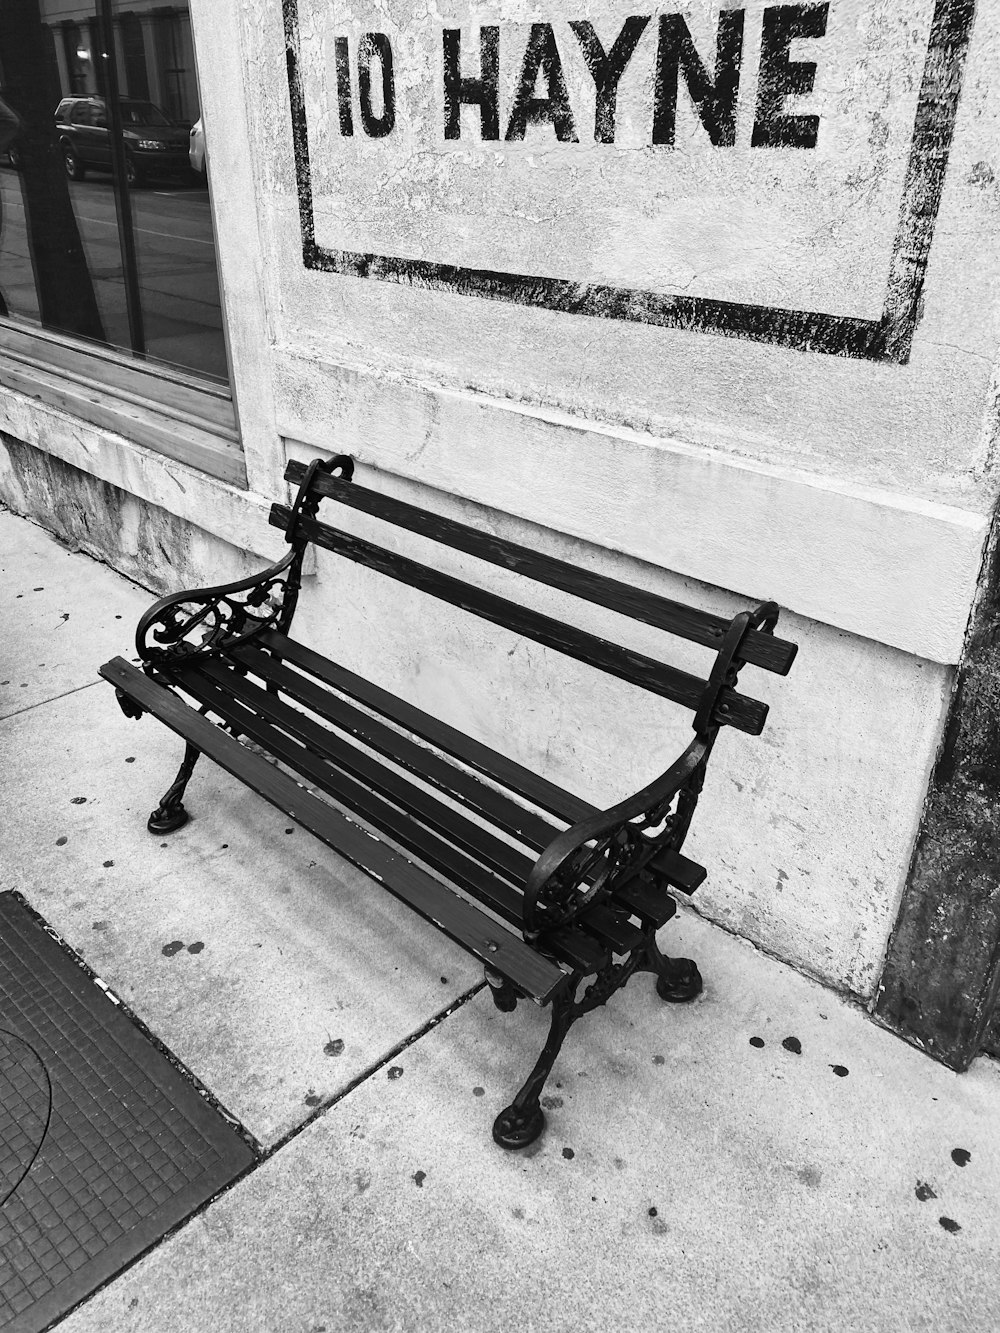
{"x": 104, "y": 1144}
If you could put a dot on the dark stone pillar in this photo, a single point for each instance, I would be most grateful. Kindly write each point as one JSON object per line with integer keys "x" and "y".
{"x": 942, "y": 972}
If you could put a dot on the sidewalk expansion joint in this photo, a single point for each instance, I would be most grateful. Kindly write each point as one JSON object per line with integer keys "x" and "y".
{"x": 261, "y": 1155}
{"x": 366, "y": 1074}
{"x": 42, "y": 702}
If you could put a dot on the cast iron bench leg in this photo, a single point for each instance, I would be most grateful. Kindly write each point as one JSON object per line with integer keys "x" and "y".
{"x": 677, "y": 979}
{"x": 170, "y": 813}
{"x": 505, "y": 997}
{"x": 521, "y": 1123}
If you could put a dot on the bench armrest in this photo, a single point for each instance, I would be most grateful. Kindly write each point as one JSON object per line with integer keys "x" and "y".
{"x": 581, "y": 864}
{"x": 218, "y": 616}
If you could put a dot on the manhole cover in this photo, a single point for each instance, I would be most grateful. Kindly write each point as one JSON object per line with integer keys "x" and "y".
{"x": 25, "y": 1102}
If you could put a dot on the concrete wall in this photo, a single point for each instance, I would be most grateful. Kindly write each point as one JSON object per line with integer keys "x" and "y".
{"x": 698, "y": 443}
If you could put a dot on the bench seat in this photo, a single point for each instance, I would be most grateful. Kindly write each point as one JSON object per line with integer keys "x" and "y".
{"x": 479, "y": 844}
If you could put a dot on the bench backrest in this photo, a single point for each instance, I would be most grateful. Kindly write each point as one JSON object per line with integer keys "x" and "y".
{"x": 748, "y": 638}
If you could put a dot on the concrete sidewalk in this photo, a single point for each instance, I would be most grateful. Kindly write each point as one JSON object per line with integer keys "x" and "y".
{"x": 764, "y": 1159}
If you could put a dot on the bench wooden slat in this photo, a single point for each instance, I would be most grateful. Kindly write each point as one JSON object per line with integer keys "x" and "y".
{"x": 690, "y": 623}
{"x": 649, "y": 899}
{"x": 669, "y": 682}
{"x": 490, "y": 941}
{"x": 344, "y": 773}
{"x": 320, "y": 763}
{"x": 213, "y": 683}
{"x": 646, "y": 899}
{"x": 434, "y": 831}
{"x": 496, "y": 766}
{"x": 679, "y": 871}
{"x": 563, "y": 804}
{"x": 500, "y": 809}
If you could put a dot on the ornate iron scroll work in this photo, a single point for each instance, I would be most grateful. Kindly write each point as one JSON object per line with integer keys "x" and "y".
{"x": 583, "y": 866}
{"x": 586, "y": 864}
{"x": 591, "y": 874}
{"x": 209, "y": 621}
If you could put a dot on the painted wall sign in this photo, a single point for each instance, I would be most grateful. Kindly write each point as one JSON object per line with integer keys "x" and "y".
{"x": 771, "y": 171}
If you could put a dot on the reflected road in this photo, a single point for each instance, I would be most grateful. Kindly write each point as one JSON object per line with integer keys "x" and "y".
{"x": 176, "y": 261}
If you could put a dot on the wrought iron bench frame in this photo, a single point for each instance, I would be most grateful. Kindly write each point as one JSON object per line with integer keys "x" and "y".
{"x": 570, "y": 903}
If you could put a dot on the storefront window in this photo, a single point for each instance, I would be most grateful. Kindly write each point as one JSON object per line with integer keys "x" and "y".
{"x": 106, "y": 229}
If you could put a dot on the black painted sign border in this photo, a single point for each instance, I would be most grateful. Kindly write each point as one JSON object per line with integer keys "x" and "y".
{"x": 886, "y": 339}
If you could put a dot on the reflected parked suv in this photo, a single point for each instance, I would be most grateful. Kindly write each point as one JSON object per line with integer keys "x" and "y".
{"x": 154, "y": 144}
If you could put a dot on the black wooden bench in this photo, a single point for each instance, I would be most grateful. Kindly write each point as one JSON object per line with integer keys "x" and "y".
{"x": 541, "y": 886}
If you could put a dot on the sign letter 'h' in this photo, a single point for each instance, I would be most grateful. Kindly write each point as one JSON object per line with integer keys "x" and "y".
{"x": 481, "y": 92}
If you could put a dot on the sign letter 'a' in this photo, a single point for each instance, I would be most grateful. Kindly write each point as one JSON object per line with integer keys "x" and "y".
{"x": 542, "y": 55}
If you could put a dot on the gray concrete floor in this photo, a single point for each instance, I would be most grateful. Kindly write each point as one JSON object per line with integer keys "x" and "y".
{"x": 687, "y": 1180}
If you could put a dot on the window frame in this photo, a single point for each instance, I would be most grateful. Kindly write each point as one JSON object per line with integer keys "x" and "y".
{"x": 152, "y": 404}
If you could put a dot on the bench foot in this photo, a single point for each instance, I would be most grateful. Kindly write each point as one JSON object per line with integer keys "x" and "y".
{"x": 677, "y": 979}
{"x": 516, "y": 1129}
{"x": 160, "y": 822}
{"x": 686, "y": 985}
{"x": 170, "y": 814}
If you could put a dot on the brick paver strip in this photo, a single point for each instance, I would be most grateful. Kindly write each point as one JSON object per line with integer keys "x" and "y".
{"x": 104, "y": 1144}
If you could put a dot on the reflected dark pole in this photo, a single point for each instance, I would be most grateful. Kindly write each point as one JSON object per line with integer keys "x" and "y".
{"x": 66, "y": 299}
{"x": 123, "y": 202}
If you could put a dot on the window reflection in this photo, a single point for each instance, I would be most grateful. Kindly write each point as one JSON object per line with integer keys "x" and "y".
{"x": 106, "y": 228}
